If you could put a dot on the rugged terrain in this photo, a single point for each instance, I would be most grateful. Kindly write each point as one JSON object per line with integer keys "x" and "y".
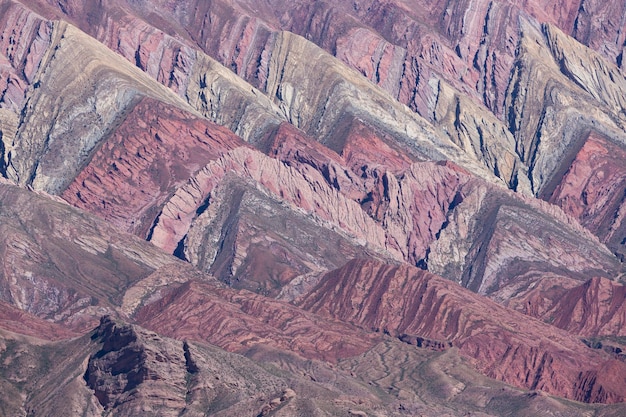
{"x": 312, "y": 208}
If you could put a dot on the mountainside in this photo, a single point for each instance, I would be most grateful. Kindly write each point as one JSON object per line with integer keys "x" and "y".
{"x": 312, "y": 208}
{"x": 426, "y": 310}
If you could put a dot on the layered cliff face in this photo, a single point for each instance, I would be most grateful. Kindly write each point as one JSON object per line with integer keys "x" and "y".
{"x": 124, "y": 369}
{"x": 153, "y": 151}
{"x": 423, "y": 309}
{"x": 593, "y": 190}
{"x": 65, "y": 266}
{"x": 386, "y": 206}
{"x": 510, "y": 72}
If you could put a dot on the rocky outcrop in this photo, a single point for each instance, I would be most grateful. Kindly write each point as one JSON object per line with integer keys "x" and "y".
{"x": 404, "y": 300}
{"x": 150, "y": 42}
{"x": 604, "y": 81}
{"x": 594, "y": 308}
{"x": 156, "y": 149}
{"x": 224, "y": 98}
{"x": 553, "y": 104}
{"x": 472, "y": 48}
{"x": 485, "y": 45}
{"x": 480, "y": 134}
{"x": 64, "y": 265}
{"x": 240, "y": 321}
{"x": 364, "y": 146}
{"x": 405, "y": 214}
{"x": 318, "y": 106}
{"x": 124, "y": 369}
{"x": 464, "y": 47}
{"x": 216, "y": 94}
{"x": 294, "y": 148}
{"x": 413, "y": 207}
{"x": 127, "y": 365}
{"x": 424, "y": 206}
{"x": 593, "y": 190}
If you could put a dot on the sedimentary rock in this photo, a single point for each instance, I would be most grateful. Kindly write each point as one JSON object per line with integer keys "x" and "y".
{"x": 57, "y": 135}
{"x": 64, "y": 265}
{"x": 593, "y": 190}
{"x": 265, "y": 143}
{"x": 155, "y": 149}
{"x": 374, "y": 296}
{"x": 497, "y": 243}
{"x": 594, "y": 308}
{"x": 239, "y": 321}
{"x": 310, "y": 194}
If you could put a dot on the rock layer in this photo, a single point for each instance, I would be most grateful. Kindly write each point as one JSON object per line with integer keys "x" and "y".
{"x": 239, "y": 321}
{"x": 593, "y": 190}
{"x": 263, "y": 144}
{"x": 407, "y": 302}
{"x": 63, "y": 265}
{"x": 154, "y": 150}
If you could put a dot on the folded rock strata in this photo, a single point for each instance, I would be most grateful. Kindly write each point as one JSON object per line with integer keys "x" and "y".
{"x": 374, "y": 296}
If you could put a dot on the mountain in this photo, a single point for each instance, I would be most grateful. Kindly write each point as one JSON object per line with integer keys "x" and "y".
{"x": 310, "y": 208}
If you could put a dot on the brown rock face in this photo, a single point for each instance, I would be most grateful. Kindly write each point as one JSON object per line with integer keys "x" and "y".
{"x": 126, "y": 365}
{"x": 409, "y": 303}
{"x": 411, "y": 206}
{"x": 364, "y": 147}
{"x": 593, "y": 190}
{"x": 238, "y": 321}
{"x": 156, "y": 149}
{"x": 595, "y": 308}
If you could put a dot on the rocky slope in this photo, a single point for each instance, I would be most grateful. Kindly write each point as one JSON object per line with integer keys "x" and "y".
{"x": 139, "y": 154}
{"x": 425, "y": 310}
{"x": 404, "y": 54}
{"x": 594, "y": 191}
{"x": 241, "y": 321}
{"x": 124, "y": 369}
{"x": 63, "y": 265}
{"x": 384, "y": 205}
{"x": 594, "y": 308}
